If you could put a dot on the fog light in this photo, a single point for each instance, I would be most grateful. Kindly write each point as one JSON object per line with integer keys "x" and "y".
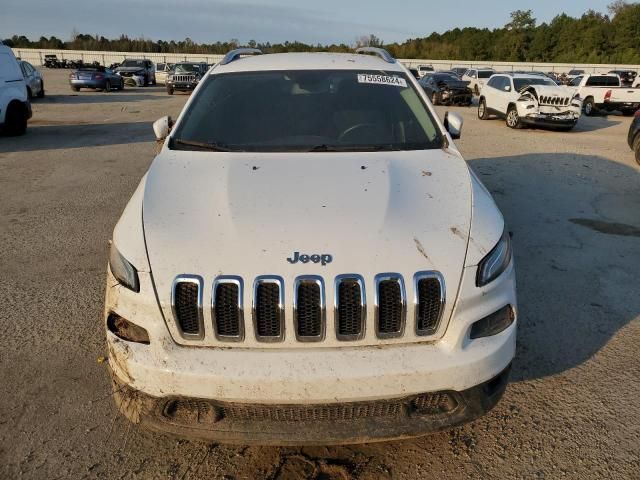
{"x": 493, "y": 324}
{"x": 126, "y": 330}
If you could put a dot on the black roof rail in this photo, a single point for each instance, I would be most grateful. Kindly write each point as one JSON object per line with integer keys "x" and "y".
{"x": 380, "y": 52}
{"x": 237, "y": 53}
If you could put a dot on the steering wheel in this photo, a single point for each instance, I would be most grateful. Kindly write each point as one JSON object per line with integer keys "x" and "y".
{"x": 353, "y": 128}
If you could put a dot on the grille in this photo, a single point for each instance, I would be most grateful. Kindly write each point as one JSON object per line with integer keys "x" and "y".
{"x": 226, "y": 311}
{"x": 308, "y": 308}
{"x": 205, "y": 411}
{"x": 545, "y": 100}
{"x": 187, "y": 307}
{"x": 429, "y": 307}
{"x": 268, "y": 314}
{"x": 183, "y": 78}
{"x": 390, "y": 308}
{"x": 350, "y": 309}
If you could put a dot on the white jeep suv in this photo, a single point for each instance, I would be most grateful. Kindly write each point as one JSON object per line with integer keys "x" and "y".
{"x": 534, "y": 100}
{"x": 309, "y": 260}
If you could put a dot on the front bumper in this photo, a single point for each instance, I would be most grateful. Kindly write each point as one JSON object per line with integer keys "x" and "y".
{"x": 315, "y": 424}
{"x": 96, "y": 84}
{"x": 308, "y": 378}
{"x": 182, "y": 87}
{"x": 457, "y": 97}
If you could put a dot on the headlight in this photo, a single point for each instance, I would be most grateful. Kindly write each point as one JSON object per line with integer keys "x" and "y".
{"x": 124, "y": 272}
{"x": 495, "y": 262}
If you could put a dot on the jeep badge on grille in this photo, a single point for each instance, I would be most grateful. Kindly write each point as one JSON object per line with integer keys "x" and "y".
{"x": 315, "y": 258}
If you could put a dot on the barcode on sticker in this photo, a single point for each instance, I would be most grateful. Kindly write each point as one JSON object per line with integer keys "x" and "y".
{"x": 382, "y": 80}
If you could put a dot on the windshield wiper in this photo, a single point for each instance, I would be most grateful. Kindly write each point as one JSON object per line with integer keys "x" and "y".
{"x": 215, "y": 147}
{"x": 351, "y": 148}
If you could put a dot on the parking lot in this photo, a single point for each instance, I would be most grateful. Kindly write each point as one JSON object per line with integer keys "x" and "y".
{"x": 572, "y": 201}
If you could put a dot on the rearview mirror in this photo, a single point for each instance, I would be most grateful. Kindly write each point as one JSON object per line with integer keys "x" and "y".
{"x": 162, "y": 127}
{"x": 453, "y": 123}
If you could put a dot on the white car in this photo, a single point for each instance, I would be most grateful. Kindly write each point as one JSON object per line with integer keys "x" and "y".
{"x": 162, "y": 71}
{"x": 477, "y": 78}
{"x": 15, "y": 108}
{"x": 424, "y": 69}
{"x": 531, "y": 100}
{"x": 310, "y": 262}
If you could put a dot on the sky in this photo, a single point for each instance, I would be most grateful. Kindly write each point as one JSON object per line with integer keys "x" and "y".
{"x": 323, "y": 21}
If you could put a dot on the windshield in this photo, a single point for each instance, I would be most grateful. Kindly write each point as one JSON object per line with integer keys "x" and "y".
{"x": 132, "y": 63}
{"x": 186, "y": 68}
{"x": 445, "y": 77}
{"x": 315, "y": 110}
{"x": 520, "y": 83}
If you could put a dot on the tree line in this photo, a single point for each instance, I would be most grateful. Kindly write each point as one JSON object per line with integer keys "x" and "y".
{"x": 592, "y": 38}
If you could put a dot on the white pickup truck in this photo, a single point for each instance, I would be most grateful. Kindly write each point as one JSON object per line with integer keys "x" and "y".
{"x": 604, "y": 92}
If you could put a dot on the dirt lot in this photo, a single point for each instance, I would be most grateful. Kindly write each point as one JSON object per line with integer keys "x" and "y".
{"x": 572, "y": 410}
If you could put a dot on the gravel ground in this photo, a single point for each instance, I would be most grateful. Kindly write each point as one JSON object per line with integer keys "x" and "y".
{"x": 572, "y": 410}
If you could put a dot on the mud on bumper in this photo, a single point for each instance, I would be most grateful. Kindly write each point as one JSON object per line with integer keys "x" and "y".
{"x": 321, "y": 424}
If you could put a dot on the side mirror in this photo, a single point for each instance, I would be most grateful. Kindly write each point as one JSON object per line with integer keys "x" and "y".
{"x": 453, "y": 123}
{"x": 162, "y": 127}
{"x": 507, "y": 88}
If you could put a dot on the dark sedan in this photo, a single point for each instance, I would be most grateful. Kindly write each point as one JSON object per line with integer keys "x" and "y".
{"x": 98, "y": 78}
{"x": 447, "y": 89}
{"x": 633, "y": 138}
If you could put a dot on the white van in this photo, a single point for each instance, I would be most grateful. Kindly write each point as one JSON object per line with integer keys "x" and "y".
{"x": 15, "y": 108}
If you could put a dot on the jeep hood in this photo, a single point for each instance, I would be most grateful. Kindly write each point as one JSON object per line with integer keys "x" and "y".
{"x": 244, "y": 214}
{"x": 548, "y": 90}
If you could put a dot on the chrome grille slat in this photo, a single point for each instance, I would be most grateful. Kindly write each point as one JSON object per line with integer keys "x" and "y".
{"x": 186, "y": 305}
{"x": 227, "y": 308}
{"x": 268, "y": 308}
{"x": 350, "y": 307}
{"x": 309, "y": 308}
{"x": 429, "y": 301}
{"x": 390, "y": 304}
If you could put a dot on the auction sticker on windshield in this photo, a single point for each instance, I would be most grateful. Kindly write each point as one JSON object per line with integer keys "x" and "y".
{"x": 382, "y": 80}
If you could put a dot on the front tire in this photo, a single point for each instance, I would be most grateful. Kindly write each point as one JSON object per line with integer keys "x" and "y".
{"x": 169, "y": 91}
{"x": 513, "y": 118}
{"x": 16, "y": 120}
{"x": 483, "y": 114}
{"x": 107, "y": 86}
{"x": 589, "y": 107}
{"x": 636, "y": 148}
{"x": 41, "y": 92}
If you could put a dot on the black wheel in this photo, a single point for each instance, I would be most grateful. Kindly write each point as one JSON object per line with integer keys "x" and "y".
{"x": 513, "y": 119}
{"x": 589, "y": 107}
{"x": 41, "y": 92}
{"x": 636, "y": 148}
{"x": 146, "y": 81}
{"x": 154, "y": 83}
{"x": 169, "y": 90}
{"x": 483, "y": 114}
{"x": 121, "y": 87}
{"x": 16, "y": 120}
{"x": 29, "y": 94}
{"x": 107, "y": 86}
